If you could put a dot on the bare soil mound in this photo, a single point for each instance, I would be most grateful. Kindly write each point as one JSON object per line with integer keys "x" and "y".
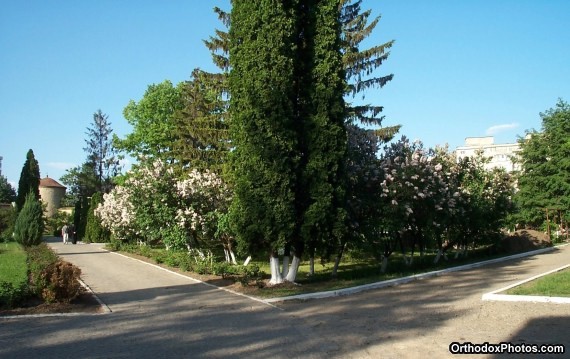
{"x": 525, "y": 240}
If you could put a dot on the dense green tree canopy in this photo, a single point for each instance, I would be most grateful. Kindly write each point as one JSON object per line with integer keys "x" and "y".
{"x": 7, "y": 192}
{"x": 544, "y": 181}
{"x": 287, "y": 108}
{"x": 152, "y": 121}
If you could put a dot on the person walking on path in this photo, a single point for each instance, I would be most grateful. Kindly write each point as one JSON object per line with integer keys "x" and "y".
{"x": 65, "y": 233}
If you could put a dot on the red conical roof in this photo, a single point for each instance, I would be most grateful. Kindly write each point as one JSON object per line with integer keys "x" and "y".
{"x": 50, "y": 182}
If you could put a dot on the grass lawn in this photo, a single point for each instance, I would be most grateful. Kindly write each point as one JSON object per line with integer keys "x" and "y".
{"x": 552, "y": 285}
{"x": 13, "y": 267}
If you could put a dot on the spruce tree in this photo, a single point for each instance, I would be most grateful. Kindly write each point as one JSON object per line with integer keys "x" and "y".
{"x": 29, "y": 180}
{"x": 201, "y": 139}
{"x": 29, "y": 226}
{"x": 361, "y": 64}
{"x": 101, "y": 152}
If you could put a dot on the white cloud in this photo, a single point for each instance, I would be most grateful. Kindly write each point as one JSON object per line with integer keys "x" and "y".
{"x": 493, "y": 130}
{"x": 60, "y": 165}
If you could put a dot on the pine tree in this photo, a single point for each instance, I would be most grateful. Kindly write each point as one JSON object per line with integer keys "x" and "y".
{"x": 286, "y": 85}
{"x": 29, "y": 226}
{"x": 29, "y": 180}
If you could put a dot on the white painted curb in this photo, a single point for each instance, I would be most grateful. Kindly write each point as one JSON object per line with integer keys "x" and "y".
{"x": 526, "y": 298}
{"x": 394, "y": 282}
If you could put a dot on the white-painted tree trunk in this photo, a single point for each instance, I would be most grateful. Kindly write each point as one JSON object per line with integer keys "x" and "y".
{"x": 285, "y": 267}
{"x": 227, "y": 255}
{"x": 312, "y": 266}
{"x": 438, "y": 256}
{"x": 384, "y": 264}
{"x": 276, "y": 277}
{"x": 247, "y": 260}
{"x": 293, "y": 269}
{"x": 232, "y": 257}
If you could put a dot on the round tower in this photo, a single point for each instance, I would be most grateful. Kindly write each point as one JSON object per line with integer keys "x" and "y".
{"x": 51, "y": 193}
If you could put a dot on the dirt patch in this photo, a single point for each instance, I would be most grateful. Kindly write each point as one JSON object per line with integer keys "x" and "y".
{"x": 85, "y": 303}
{"x": 525, "y": 240}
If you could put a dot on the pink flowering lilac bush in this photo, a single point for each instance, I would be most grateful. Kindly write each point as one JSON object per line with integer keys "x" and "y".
{"x": 430, "y": 202}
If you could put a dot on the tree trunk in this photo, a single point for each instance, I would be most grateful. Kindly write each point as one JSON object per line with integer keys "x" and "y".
{"x": 312, "y": 265}
{"x": 293, "y": 270}
{"x": 246, "y": 262}
{"x": 233, "y": 257}
{"x": 276, "y": 277}
{"x": 384, "y": 264}
{"x": 438, "y": 256}
{"x": 337, "y": 260}
{"x": 285, "y": 267}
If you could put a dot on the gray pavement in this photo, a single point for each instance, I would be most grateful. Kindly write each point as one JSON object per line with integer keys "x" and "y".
{"x": 157, "y": 314}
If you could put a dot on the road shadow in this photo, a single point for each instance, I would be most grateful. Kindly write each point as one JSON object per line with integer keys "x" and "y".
{"x": 541, "y": 331}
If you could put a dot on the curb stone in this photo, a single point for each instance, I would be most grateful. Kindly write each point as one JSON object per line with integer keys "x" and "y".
{"x": 398, "y": 281}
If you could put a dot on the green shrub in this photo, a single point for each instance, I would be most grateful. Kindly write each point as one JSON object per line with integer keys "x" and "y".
{"x": 11, "y": 295}
{"x": 29, "y": 226}
{"x": 251, "y": 273}
{"x": 8, "y": 217}
{"x": 226, "y": 270}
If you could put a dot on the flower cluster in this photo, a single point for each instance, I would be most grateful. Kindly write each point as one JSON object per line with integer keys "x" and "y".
{"x": 155, "y": 206}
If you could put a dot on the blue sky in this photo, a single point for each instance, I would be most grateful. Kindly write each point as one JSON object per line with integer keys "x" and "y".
{"x": 461, "y": 68}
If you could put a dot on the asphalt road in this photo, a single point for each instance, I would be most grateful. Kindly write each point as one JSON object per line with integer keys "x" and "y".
{"x": 158, "y": 314}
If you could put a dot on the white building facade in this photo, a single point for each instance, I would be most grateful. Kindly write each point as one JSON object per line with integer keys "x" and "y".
{"x": 500, "y": 155}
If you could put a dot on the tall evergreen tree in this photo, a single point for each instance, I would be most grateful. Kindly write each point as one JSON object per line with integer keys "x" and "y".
{"x": 201, "y": 137}
{"x": 29, "y": 180}
{"x": 287, "y": 84}
{"x": 101, "y": 152}
{"x": 29, "y": 226}
{"x": 360, "y": 65}
{"x": 94, "y": 231}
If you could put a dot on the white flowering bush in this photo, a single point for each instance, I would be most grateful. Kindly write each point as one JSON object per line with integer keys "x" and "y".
{"x": 155, "y": 206}
{"x": 117, "y": 213}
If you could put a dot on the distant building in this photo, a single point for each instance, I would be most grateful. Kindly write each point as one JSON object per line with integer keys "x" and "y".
{"x": 501, "y": 155}
{"x": 51, "y": 193}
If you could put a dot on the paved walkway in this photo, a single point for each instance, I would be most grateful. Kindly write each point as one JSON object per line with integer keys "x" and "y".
{"x": 157, "y": 314}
